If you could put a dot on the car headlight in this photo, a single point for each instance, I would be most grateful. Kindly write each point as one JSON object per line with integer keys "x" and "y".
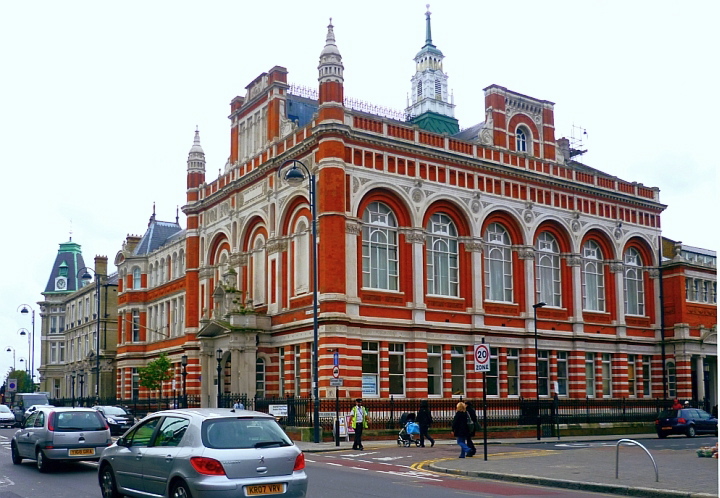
{"x": 111, "y": 420}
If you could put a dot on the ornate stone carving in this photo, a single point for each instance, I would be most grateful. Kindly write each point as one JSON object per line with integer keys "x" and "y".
{"x": 575, "y": 226}
{"x": 486, "y": 134}
{"x": 417, "y": 195}
{"x": 473, "y": 246}
{"x": 616, "y": 266}
{"x": 528, "y": 216}
{"x": 356, "y": 185}
{"x": 654, "y": 273}
{"x": 573, "y": 260}
{"x": 276, "y": 245}
{"x": 525, "y": 252}
{"x": 353, "y": 227}
{"x": 475, "y": 206}
{"x": 242, "y": 259}
{"x": 415, "y": 237}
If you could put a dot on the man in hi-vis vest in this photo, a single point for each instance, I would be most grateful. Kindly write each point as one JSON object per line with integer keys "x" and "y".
{"x": 359, "y": 421}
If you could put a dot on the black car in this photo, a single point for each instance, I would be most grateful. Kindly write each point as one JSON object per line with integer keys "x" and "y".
{"x": 118, "y": 419}
{"x": 687, "y": 421}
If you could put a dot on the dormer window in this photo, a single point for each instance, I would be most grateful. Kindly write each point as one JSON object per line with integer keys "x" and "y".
{"x": 521, "y": 138}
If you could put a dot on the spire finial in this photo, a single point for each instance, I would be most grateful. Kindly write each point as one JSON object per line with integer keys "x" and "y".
{"x": 428, "y": 35}
{"x": 177, "y": 215}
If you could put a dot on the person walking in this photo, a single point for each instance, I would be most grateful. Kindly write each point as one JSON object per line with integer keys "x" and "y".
{"x": 238, "y": 405}
{"x": 359, "y": 421}
{"x": 424, "y": 420}
{"x": 473, "y": 416}
{"x": 461, "y": 429}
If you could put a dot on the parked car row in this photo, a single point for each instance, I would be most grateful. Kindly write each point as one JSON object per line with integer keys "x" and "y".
{"x": 177, "y": 453}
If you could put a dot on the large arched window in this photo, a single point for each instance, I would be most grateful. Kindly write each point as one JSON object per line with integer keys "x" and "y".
{"x": 547, "y": 270}
{"x": 593, "y": 277}
{"x": 498, "y": 264}
{"x": 521, "y": 138}
{"x": 442, "y": 256}
{"x": 379, "y": 248}
{"x": 258, "y": 266}
{"x": 137, "y": 282}
{"x": 301, "y": 258}
{"x": 634, "y": 288}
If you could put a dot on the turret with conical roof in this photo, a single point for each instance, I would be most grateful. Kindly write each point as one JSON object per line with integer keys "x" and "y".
{"x": 196, "y": 163}
{"x": 330, "y": 70}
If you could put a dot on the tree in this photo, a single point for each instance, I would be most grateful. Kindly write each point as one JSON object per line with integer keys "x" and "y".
{"x": 24, "y": 384}
{"x": 155, "y": 373}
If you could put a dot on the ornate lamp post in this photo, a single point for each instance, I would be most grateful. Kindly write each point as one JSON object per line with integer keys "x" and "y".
{"x": 25, "y": 309}
{"x": 72, "y": 388}
{"x": 537, "y": 368}
{"x": 218, "y": 357}
{"x": 184, "y": 362}
{"x": 86, "y": 277}
{"x": 9, "y": 349}
{"x": 81, "y": 376}
{"x": 295, "y": 175}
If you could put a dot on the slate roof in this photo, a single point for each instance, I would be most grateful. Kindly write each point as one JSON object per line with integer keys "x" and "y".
{"x": 69, "y": 257}
{"x": 157, "y": 235}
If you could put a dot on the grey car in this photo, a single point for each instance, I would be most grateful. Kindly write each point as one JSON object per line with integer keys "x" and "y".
{"x": 203, "y": 452}
{"x": 53, "y": 434}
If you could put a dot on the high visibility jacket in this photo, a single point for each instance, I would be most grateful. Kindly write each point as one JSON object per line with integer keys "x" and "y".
{"x": 354, "y": 416}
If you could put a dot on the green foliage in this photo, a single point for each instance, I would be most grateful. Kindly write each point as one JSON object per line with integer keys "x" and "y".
{"x": 157, "y": 371}
{"x": 24, "y": 384}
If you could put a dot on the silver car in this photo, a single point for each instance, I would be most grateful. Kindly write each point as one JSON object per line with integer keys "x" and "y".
{"x": 203, "y": 452}
{"x": 51, "y": 434}
{"x": 7, "y": 417}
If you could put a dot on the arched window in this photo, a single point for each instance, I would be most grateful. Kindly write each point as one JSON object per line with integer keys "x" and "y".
{"x": 301, "y": 259}
{"x": 162, "y": 275}
{"x": 136, "y": 278}
{"x": 176, "y": 268}
{"x": 379, "y": 248}
{"x": 260, "y": 378}
{"x": 521, "y": 137}
{"x": 442, "y": 256}
{"x": 547, "y": 270}
{"x": 634, "y": 288}
{"x": 593, "y": 277}
{"x": 498, "y": 264}
{"x": 258, "y": 259}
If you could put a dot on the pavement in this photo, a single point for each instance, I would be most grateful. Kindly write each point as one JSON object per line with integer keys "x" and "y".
{"x": 681, "y": 473}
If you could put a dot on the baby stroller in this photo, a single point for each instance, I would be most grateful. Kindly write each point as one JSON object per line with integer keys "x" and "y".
{"x": 409, "y": 429}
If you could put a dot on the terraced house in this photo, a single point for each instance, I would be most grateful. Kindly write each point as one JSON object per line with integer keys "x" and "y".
{"x": 430, "y": 239}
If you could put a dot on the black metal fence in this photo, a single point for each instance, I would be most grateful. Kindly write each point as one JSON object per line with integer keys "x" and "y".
{"x": 386, "y": 413}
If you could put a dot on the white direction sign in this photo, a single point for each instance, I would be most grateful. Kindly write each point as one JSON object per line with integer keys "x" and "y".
{"x": 482, "y": 357}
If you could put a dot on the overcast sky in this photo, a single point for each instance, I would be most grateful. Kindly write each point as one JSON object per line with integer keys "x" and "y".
{"x": 100, "y": 101}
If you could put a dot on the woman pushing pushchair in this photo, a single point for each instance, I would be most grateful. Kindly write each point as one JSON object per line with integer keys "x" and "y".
{"x": 409, "y": 429}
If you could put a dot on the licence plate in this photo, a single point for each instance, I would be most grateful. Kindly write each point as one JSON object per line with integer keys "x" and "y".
{"x": 667, "y": 428}
{"x": 264, "y": 489}
{"x": 81, "y": 452}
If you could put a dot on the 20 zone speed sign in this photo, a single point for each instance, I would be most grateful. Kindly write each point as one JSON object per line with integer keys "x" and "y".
{"x": 482, "y": 358}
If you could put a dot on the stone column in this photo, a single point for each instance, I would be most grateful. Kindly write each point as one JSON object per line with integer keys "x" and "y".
{"x": 618, "y": 270}
{"x": 574, "y": 261}
{"x": 700, "y": 377}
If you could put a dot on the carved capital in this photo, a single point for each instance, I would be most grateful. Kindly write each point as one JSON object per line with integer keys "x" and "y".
{"x": 415, "y": 237}
{"x": 276, "y": 245}
{"x": 353, "y": 228}
{"x": 242, "y": 259}
{"x": 616, "y": 267}
{"x": 525, "y": 252}
{"x": 573, "y": 260}
{"x": 654, "y": 273}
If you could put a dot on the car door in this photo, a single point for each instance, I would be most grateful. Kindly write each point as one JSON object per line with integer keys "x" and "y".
{"x": 22, "y": 437}
{"x": 128, "y": 458}
{"x": 159, "y": 459}
{"x": 703, "y": 421}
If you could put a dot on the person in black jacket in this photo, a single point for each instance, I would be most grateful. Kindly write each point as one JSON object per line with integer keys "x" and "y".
{"x": 424, "y": 420}
{"x": 460, "y": 428}
{"x": 473, "y": 416}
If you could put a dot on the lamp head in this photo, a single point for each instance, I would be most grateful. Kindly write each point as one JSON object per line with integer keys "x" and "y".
{"x": 86, "y": 277}
{"x": 24, "y": 310}
{"x": 539, "y": 305}
{"x": 8, "y": 350}
{"x": 218, "y": 354}
{"x": 294, "y": 175}
{"x": 184, "y": 360}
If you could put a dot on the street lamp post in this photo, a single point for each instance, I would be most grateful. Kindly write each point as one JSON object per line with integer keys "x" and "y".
{"x": 294, "y": 176}
{"x": 81, "y": 376}
{"x": 184, "y": 362}
{"x": 25, "y": 309}
{"x": 72, "y": 388}
{"x": 27, "y": 333}
{"x": 218, "y": 357}
{"x": 10, "y": 348}
{"x": 86, "y": 277}
{"x": 537, "y": 368}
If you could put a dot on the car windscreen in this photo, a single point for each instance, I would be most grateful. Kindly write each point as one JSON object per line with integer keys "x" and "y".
{"x": 78, "y": 421}
{"x": 33, "y": 399}
{"x": 4, "y": 409}
{"x": 668, "y": 414}
{"x": 114, "y": 411}
{"x": 238, "y": 433}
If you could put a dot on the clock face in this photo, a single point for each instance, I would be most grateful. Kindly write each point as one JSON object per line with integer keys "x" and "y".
{"x": 60, "y": 283}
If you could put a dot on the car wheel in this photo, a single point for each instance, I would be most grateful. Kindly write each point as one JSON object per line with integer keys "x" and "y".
{"x": 180, "y": 490}
{"x": 662, "y": 435}
{"x": 108, "y": 488}
{"x": 43, "y": 464}
{"x": 691, "y": 431}
{"x": 16, "y": 458}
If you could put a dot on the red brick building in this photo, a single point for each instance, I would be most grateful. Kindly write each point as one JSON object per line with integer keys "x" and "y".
{"x": 430, "y": 240}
